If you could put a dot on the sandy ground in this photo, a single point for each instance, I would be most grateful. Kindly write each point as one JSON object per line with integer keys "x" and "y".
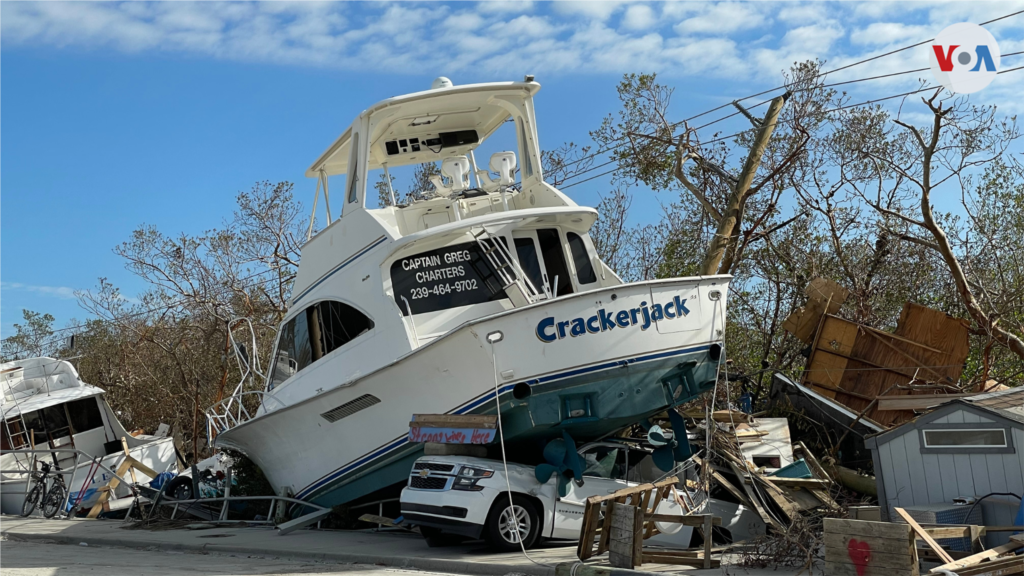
{"x": 20, "y": 558}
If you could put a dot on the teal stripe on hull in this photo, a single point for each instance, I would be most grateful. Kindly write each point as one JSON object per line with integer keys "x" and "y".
{"x": 588, "y": 406}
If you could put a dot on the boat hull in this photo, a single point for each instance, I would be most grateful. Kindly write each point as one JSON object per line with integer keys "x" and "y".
{"x": 158, "y": 455}
{"x": 549, "y": 379}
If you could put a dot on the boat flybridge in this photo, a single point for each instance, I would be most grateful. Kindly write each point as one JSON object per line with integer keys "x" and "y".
{"x": 50, "y": 415}
{"x": 488, "y": 284}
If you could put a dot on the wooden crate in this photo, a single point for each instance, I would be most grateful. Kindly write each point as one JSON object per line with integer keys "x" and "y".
{"x": 862, "y": 548}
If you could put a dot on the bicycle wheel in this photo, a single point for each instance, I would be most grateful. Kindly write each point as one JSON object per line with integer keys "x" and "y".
{"x": 54, "y": 499}
{"x": 31, "y": 499}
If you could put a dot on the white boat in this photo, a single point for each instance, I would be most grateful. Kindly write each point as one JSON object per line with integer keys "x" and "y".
{"x": 485, "y": 285}
{"x": 46, "y": 405}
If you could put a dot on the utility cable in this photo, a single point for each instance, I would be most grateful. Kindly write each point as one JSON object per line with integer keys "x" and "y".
{"x": 823, "y": 74}
{"x": 50, "y": 339}
{"x": 504, "y": 462}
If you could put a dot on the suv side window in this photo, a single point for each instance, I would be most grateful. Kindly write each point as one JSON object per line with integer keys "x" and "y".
{"x": 605, "y": 462}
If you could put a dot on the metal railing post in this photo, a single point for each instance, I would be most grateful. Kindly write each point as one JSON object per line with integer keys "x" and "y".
{"x": 227, "y": 495}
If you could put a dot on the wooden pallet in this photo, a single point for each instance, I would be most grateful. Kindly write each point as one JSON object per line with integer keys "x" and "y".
{"x": 629, "y": 517}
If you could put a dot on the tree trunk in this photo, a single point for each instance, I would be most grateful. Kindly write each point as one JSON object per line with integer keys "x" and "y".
{"x": 732, "y": 216}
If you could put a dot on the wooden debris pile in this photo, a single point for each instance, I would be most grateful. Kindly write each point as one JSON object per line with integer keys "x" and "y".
{"x": 882, "y": 376}
{"x": 780, "y": 496}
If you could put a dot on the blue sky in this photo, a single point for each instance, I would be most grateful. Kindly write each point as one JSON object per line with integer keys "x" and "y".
{"x": 117, "y": 114}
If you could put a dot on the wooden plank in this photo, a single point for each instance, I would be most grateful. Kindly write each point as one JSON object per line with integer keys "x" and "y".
{"x": 997, "y": 567}
{"x": 661, "y": 558}
{"x": 472, "y": 420}
{"x": 875, "y": 559}
{"x": 621, "y": 535}
{"x": 638, "y": 536}
{"x": 694, "y": 520}
{"x": 709, "y": 532}
{"x": 724, "y": 416}
{"x": 109, "y": 489}
{"x": 812, "y": 462}
{"x": 917, "y": 401}
{"x": 136, "y": 465}
{"x": 866, "y": 528}
{"x": 591, "y": 520}
{"x": 949, "y": 532}
{"x": 797, "y": 482}
{"x": 902, "y": 339}
{"x": 127, "y": 454}
{"x": 753, "y": 499}
{"x": 883, "y": 545}
{"x": 374, "y": 519}
{"x": 717, "y": 477}
{"x": 924, "y": 535}
{"x": 956, "y": 565}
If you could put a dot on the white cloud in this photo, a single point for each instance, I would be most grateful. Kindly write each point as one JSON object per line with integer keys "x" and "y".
{"x": 639, "y": 17}
{"x": 503, "y": 7}
{"x": 728, "y": 40}
{"x": 62, "y": 292}
{"x": 885, "y": 33}
{"x": 723, "y": 18}
{"x": 594, "y": 9}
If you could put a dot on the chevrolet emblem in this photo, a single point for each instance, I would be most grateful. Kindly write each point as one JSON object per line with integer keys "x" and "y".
{"x": 424, "y": 473}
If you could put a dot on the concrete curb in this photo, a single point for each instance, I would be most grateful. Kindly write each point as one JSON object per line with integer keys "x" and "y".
{"x": 414, "y": 563}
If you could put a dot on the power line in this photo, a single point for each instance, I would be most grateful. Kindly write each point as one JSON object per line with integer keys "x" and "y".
{"x": 51, "y": 339}
{"x": 823, "y": 74}
{"x": 719, "y": 139}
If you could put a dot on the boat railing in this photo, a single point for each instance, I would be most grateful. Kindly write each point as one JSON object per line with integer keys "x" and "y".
{"x": 81, "y": 459}
{"x": 232, "y": 411}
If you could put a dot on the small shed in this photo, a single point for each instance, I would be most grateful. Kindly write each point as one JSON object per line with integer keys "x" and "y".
{"x": 965, "y": 448}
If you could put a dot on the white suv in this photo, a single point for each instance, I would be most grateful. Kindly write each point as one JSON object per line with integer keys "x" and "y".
{"x": 466, "y": 496}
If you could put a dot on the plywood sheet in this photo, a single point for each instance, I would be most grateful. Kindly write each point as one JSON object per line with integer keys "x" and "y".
{"x": 854, "y": 364}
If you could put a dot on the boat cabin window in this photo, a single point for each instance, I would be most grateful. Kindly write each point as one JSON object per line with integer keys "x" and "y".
{"x": 581, "y": 259}
{"x": 57, "y": 421}
{"x": 85, "y": 415}
{"x": 542, "y": 257}
{"x": 317, "y": 331}
{"x": 526, "y": 250}
{"x": 448, "y": 277}
{"x": 554, "y": 261}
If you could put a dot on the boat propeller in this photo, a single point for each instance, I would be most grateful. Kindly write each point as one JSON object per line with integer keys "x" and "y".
{"x": 560, "y": 457}
{"x": 671, "y": 446}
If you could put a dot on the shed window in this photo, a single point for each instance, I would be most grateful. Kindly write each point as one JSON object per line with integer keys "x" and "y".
{"x": 982, "y": 438}
{"x": 584, "y": 269}
{"x": 317, "y": 331}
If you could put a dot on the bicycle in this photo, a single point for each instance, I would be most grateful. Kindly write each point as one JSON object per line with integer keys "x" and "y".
{"x": 52, "y": 500}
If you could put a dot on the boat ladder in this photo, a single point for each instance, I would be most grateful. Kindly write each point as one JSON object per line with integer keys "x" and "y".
{"x": 519, "y": 289}
{"x": 20, "y": 436}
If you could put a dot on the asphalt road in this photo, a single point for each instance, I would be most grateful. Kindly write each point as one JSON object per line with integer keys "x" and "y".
{"x": 19, "y": 558}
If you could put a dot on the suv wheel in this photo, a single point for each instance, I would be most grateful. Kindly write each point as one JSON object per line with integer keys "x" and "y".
{"x": 506, "y": 524}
